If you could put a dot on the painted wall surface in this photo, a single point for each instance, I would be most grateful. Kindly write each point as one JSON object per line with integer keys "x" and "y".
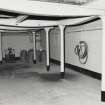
{"x": 17, "y": 41}
{"x": 22, "y": 40}
{"x": 55, "y": 44}
{"x": 43, "y": 39}
{"x": 91, "y": 33}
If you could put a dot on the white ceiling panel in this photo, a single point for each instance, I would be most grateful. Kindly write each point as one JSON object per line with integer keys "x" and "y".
{"x": 46, "y": 8}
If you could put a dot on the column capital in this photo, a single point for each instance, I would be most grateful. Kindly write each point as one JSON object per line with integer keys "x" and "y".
{"x": 102, "y": 17}
{"x": 47, "y": 28}
{"x": 33, "y": 32}
{"x": 61, "y": 27}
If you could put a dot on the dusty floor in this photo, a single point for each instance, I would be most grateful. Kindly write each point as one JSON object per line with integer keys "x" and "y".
{"x": 24, "y": 84}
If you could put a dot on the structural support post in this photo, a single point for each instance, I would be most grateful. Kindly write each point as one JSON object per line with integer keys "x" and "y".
{"x": 47, "y": 29}
{"x": 62, "y": 43}
{"x": 34, "y": 46}
{"x": 0, "y": 47}
{"x": 103, "y": 59}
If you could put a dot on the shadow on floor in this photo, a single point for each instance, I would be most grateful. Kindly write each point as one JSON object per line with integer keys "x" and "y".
{"x": 50, "y": 77}
{"x": 56, "y": 77}
{"x": 11, "y": 69}
{"x": 18, "y": 70}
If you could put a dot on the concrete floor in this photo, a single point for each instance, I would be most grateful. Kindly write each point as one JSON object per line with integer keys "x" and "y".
{"x": 25, "y": 84}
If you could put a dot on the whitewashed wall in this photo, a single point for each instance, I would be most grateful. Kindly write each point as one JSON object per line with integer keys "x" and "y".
{"x": 91, "y": 33}
{"x": 17, "y": 41}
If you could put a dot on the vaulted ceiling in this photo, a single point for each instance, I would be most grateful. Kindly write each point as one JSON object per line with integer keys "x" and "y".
{"x": 73, "y": 2}
{"x": 32, "y": 14}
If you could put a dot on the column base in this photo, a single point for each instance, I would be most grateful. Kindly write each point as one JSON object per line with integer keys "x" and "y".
{"x": 1, "y": 62}
{"x": 62, "y": 75}
{"x": 48, "y": 68}
{"x": 103, "y": 96}
{"x": 34, "y": 61}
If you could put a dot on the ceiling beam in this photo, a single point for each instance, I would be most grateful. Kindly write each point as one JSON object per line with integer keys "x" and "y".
{"x": 47, "y": 8}
{"x": 5, "y": 16}
{"x": 21, "y": 18}
{"x": 35, "y": 24}
{"x": 76, "y": 21}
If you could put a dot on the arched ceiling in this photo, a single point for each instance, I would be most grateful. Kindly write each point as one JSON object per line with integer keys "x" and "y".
{"x": 72, "y": 2}
{"x": 32, "y": 15}
{"x": 46, "y": 9}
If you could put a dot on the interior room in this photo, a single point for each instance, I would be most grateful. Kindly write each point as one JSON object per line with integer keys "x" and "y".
{"x": 52, "y": 52}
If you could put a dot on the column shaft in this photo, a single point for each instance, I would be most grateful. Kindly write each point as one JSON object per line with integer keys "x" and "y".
{"x": 103, "y": 59}
{"x": 34, "y": 46}
{"x": 47, "y": 29}
{"x": 62, "y": 42}
{"x": 0, "y": 47}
